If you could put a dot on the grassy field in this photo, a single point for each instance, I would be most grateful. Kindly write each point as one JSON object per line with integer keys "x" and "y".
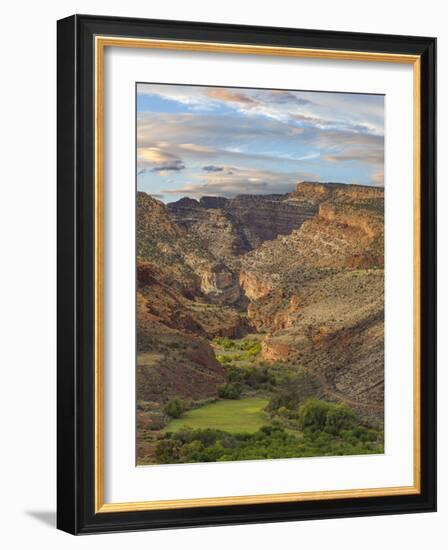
{"x": 233, "y": 416}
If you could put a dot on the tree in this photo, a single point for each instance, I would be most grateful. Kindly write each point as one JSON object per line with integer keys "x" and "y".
{"x": 294, "y": 391}
{"x": 313, "y": 414}
{"x": 339, "y": 417}
{"x": 317, "y": 415}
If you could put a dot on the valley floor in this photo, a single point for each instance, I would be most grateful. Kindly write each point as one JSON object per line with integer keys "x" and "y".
{"x": 264, "y": 410}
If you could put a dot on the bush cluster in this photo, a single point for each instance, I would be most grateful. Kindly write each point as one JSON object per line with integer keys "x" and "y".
{"x": 229, "y": 391}
{"x": 316, "y": 415}
{"x": 330, "y": 430}
{"x": 293, "y": 391}
{"x": 175, "y": 407}
{"x": 247, "y": 344}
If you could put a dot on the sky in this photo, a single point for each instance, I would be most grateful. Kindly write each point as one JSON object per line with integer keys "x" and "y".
{"x": 202, "y": 140}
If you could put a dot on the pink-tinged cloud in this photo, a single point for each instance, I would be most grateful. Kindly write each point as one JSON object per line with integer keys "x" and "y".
{"x": 156, "y": 159}
{"x": 229, "y": 95}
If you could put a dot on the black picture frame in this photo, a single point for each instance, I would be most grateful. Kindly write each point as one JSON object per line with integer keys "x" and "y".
{"x": 76, "y": 268}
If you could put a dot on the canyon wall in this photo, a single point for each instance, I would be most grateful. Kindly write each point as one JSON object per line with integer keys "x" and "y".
{"x": 231, "y": 227}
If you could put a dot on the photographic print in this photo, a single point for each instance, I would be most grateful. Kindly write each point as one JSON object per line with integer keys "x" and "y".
{"x": 231, "y": 311}
{"x": 260, "y": 282}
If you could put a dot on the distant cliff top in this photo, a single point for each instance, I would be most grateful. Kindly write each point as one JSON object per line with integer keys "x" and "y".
{"x": 307, "y": 190}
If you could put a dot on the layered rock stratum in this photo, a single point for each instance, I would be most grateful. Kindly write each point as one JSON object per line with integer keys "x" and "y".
{"x": 231, "y": 227}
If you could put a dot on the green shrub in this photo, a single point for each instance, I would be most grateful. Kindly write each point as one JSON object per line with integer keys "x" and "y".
{"x": 294, "y": 391}
{"x": 158, "y": 421}
{"x": 167, "y": 451}
{"x": 339, "y": 417}
{"x": 224, "y": 342}
{"x": 175, "y": 407}
{"x": 316, "y": 415}
{"x": 229, "y": 391}
{"x": 313, "y": 414}
{"x": 252, "y": 347}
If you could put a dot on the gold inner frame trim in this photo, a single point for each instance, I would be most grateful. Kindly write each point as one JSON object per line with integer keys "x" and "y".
{"x": 101, "y": 42}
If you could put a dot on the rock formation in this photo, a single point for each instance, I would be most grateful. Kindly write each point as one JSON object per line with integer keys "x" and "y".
{"x": 231, "y": 227}
{"x": 319, "y": 292}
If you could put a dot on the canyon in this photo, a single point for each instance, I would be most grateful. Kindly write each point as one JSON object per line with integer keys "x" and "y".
{"x": 302, "y": 271}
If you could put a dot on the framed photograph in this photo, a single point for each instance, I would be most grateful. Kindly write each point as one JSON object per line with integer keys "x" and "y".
{"x": 246, "y": 274}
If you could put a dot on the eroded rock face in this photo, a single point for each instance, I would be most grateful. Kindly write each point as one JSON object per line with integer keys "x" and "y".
{"x": 160, "y": 241}
{"x": 264, "y": 217}
{"x": 311, "y": 192}
{"x": 275, "y": 350}
{"x": 333, "y": 325}
{"x": 231, "y": 227}
{"x": 349, "y": 216}
{"x": 214, "y": 228}
{"x": 254, "y": 287}
{"x": 318, "y": 192}
{"x": 213, "y": 202}
{"x": 220, "y": 286}
{"x": 275, "y": 311}
{"x": 343, "y": 233}
{"x": 165, "y": 304}
{"x": 183, "y": 260}
{"x": 172, "y": 362}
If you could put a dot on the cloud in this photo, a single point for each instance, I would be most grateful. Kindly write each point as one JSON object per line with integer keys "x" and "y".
{"x": 378, "y": 178}
{"x": 199, "y": 154}
{"x": 190, "y": 96}
{"x": 285, "y": 96}
{"x": 345, "y": 146}
{"x": 241, "y": 181}
{"x": 357, "y": 156}
{"x": 228, "y": 95}
{"x": 327, "y": 108}
{"x": 346, "y": 137}
{"x": 274, "y": 104}
{"x": 172, "y": 141}
{"x": 158, "y": 160}
{"x": 230, "y": 141}
{"x": 208, "y": 133}
{"x": 195, "y": 148}
{"x": 211, "y": 168}
{"x": 326, "y": 124}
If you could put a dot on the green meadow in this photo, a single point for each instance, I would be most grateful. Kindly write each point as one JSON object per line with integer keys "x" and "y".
{"x": 230, "y": 415}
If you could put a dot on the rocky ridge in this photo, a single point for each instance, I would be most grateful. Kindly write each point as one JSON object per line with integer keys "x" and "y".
{"x": 318, "y": 293}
